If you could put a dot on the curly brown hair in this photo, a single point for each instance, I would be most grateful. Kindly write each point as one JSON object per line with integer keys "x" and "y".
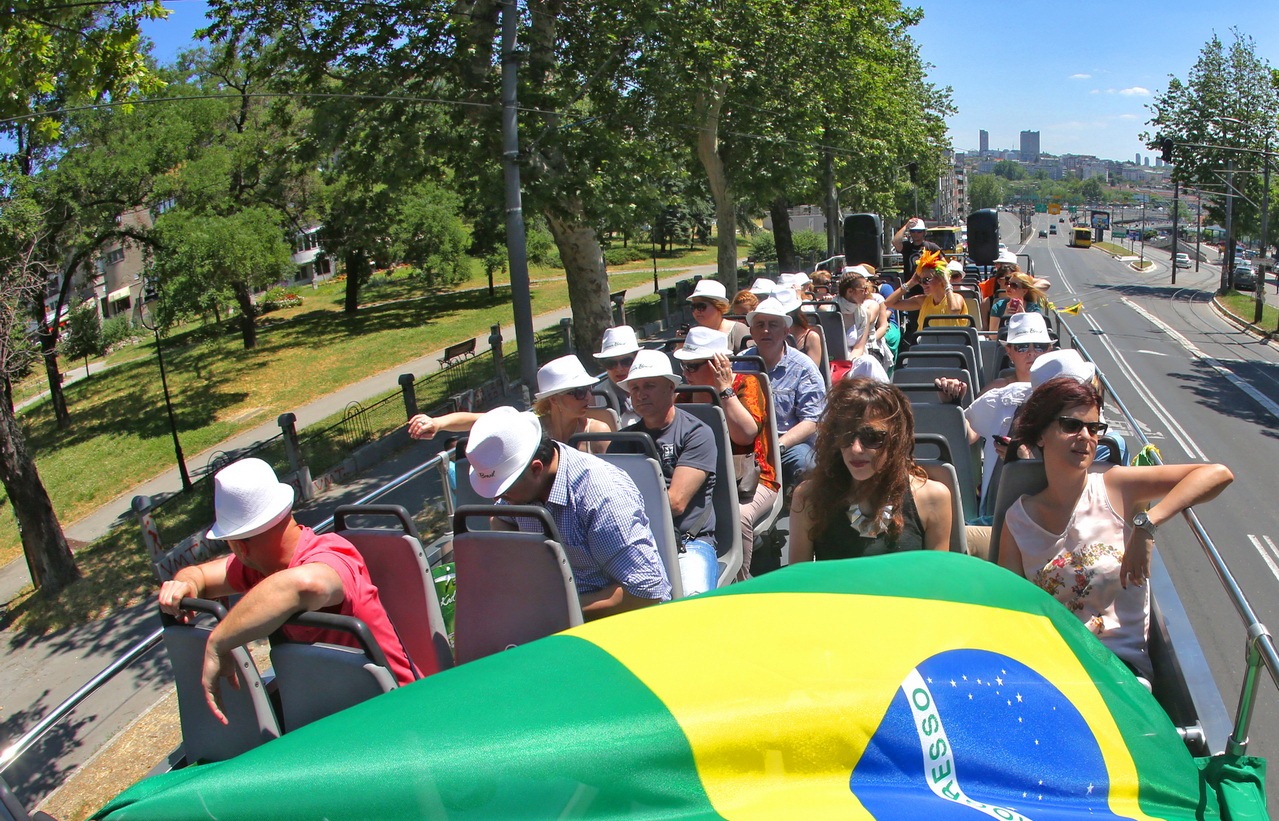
{"x": 850, "y": 403}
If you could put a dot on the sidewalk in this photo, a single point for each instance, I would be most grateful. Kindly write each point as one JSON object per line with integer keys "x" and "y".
{"x": 13, "y": 576}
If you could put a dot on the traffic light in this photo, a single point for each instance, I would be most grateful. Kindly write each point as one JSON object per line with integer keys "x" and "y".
{"x": 913, "y": 169}
{"x": 1165, "y": 148}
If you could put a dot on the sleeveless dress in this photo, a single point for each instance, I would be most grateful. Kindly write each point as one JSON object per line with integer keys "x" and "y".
{"x": 840, "y": 541}
{"x": 1080, "y": 568}
{"x": 929, "y": 308}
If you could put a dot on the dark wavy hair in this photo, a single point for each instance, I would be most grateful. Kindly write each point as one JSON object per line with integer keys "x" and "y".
{"x": 1048, "y": 401}
{"x": 850, "y": 403}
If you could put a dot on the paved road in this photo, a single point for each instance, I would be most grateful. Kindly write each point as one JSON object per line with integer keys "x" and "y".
{"x": 1203, "y": 392}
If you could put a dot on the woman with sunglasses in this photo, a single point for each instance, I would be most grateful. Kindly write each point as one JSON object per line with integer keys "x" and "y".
{"x": 1022, "y": 294}
{"x": 1087, "y": 537}
{"x": 617, "y": 354}
{"x": 866, "y": 496}
{"x": 937, "y": 298}
{"x": 709, "y": 303}
{"x": 865, "y": 317}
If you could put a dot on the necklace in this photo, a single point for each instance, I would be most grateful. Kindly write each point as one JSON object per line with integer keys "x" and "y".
{"x": 869, "y": 525}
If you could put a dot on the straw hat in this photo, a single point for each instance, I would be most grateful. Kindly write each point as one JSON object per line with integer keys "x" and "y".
{"x": 247, "y": 500}
{"x": 500, "y": 447}
{"x": 709, "y": 289}
{"x": 769, "y": 307}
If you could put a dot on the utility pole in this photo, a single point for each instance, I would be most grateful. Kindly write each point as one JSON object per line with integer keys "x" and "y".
{"x": 1142, "y": 264}
{"x": 516, "y": 240}
{"x": 1175, "y": 190}
{"x": 1228, "y": 273}
{"x": 1259, "y": 278}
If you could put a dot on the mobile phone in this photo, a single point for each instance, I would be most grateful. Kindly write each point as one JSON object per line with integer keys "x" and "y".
{"x": 1002, "y": 440}
{"x": 1014, "y": 305}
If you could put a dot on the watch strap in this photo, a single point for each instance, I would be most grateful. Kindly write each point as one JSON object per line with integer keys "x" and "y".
{"x": 726, "y": 393}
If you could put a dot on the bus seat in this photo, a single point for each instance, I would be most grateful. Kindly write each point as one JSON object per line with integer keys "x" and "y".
{"x": 925, "y": 392}
{"x": 1016, "y": 478}
{"x": 835, "y": 333}
{"x": 251, "y": 720}
{"x": 464, "y": 494}
{"x": 945, "y": 473}
{"x": 947, "y": 422}
{"x": 348, "y": 675}
{"x": 398, "y": 566}
{"x": 512, "y": 587}
{"x": 774, "y": 449}
{"x": 965, "y": 320}
{"x": 969, "y": 357}
{"x": 728, "y": 532}
{"x": 926, "y": 375}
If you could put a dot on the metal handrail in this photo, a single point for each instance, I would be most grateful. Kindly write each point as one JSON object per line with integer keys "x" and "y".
{"x": 436, "y": 463}
{"x": 1261, "y": 646}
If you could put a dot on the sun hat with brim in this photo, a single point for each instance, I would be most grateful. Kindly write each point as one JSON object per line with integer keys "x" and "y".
{"x": 703, "y": 343}
{"x": 769, "y": 307}
{"x": 916, "y": 225}
{"x": 247, "y": 500}
{"x": 763, "y": 287}
{"x": 1061, "y": 363}
{"x": 796, "y": 280}
{"x": 955, "y": 266}
{"x": 1006, "y": 258}
{"x": 560, "y": 375}
{"x": 617, "y": 342}
{"x": 1027, "y": 327}
{"x": 500, "y": 447}
{"x": 788, "y": 298}
{"x": 859, "y": 268}
{"x": 709, "y": 289}
{"x": 651, "y": 364}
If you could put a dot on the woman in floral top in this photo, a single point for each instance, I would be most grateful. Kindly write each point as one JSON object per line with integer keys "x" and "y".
{"x": 1087, "y": 537}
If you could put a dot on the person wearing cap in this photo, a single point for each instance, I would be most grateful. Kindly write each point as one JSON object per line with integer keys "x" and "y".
{"x": 910, "y": 243}
{"x": 617, "y": 352}
{"x": 763, "y": 287}
{"x": 807, "y": 340}
{"x": 1005, "y": 264}
{"x": 710, "y": 303}
{"x": 799, "y": 392}
{"x": 282, "y": 568}
{"x": 686, "y": 446}
{"x": 562, "y": 403}
{"x": 595, "y": 506}
{"x": 704, "y": 361}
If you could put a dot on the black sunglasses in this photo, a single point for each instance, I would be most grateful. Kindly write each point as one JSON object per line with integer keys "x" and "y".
{"x": 1070, "y": 425}
{"x": 1037, "y": 347}
{"x": 578, "y": 393}
{"x": 871, "y": 438}
{"x": 620, "y": 362}
{"x": 691, "y": 367}
{"x": 702, "y": 306}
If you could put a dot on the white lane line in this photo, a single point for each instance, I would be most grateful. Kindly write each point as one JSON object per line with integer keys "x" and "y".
{"x": 1169, "y": 421}
{"x": 1152, "y": 353}
{"x": 1266, "y": 402}
{"x": 1270, "y": 562}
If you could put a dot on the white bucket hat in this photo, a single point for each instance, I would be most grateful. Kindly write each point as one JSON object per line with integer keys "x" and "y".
{"x": 501, "y": 446}
{"x": 703, "y": 343}
{"x": 916, "y": 225}
{"x": 763, "y": 287}
{"x": 796, "y": 280}
{"x": 955, "y": 266}
{"x": 1006, "y": 257}
{"x": 649, "y": 364}
{"x": 769, "y": 307}
{"x": 617, "y": 342}
{"x": 1061, "y": 363}
{"x": 247, "y": 500}
{"x": 787, "y": 297}
{"x": 560, "y": 375}
{"x": 709, "y": 289}
{"x": 1027, "y": 327}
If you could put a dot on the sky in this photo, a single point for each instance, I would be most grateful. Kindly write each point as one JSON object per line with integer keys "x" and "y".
{"x": 1081, "y": 74}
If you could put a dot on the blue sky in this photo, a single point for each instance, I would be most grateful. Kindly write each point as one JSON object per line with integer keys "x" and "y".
{"x": 1081, "y": 74}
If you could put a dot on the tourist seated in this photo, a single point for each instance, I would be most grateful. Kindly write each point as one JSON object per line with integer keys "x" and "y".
{"x": 804, "y": 335}
{"x": 617, "y": 352}
{"x": 743, "y": 303}
{"x": 866, "y": 320}
{"x": 1088, "y": 536}
{"x": 595, "y": 506}
{"x": 282, "y": 568}
{"x": 704, "y": 361}
{"x": 937, "y": 299}
{"x": 866, "y": 496}
{"x": 1022, "y": 294}
{"x": 710, "y": 305}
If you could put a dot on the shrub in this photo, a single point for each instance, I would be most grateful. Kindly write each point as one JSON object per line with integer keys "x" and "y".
{"x": 540, "y": 248}
{"x": 621, "y": 256}
{"x": 277, "y": 298}
{"x": 809, "y": 244}
{"x": 763, "y": 247}
{"x": 116, "y": 330}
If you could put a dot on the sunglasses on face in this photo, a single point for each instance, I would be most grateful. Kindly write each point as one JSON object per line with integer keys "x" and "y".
{"x": 1070, "y": 425}
{"x": 1037, "y": 347}
{"x": 621, "y": 362}
{"x": 871, "y": 438}
{"x": 578, "y": 393}
{"x": 691, "y": 367}
{"x": 702, "y": 306}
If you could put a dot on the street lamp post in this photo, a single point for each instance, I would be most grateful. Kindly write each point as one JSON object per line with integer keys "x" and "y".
{"x": 1142, "y": 263}
{"x": 1259, "y": 279}
{"x": 149, "y": 322}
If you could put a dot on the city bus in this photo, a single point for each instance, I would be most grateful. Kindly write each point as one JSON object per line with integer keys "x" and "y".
{"x": 1080, "y": 237}
{"x": 949, "y": 238}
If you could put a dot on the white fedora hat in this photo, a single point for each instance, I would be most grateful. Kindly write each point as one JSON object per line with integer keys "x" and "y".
{"x": 1006, "y": 257}
{"x": 787, "y": 297}
{"x": 1027, "y": 327}
{"x": 617, "y": 342}
{"x": 916, "y": 225}
{"x": 763, "y": 287}
{"x": 703, "y": 343}
{"x": 247, "y": 500}
{"x": 955, "y": 266}
{"x": 650, "y": 364}
{"x": 500, "y": 447}
{"x": 709, "y": 289}
{"x": 560, "y": 375}
{"x": 1061, "y": 363}
{"x": 769, "y": 307}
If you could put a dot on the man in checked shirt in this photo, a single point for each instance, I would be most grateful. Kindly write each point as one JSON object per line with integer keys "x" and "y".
{"x": 596, "y": 507}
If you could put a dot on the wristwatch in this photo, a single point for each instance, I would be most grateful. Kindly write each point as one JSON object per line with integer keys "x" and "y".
{"x": 1142, "y": 520}
{"x": 726, "y": 393}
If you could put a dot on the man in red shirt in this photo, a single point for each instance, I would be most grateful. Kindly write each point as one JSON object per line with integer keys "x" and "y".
{"x": 282, "y": 568}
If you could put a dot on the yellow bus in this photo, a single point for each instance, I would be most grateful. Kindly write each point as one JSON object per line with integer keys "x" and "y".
{"x": 949, "y": 238}
{"x": 1080, "y": 237}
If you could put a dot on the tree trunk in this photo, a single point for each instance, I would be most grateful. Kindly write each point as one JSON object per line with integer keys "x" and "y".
{"x": 357, "y": 270}
{"x": 707, "y": 107}
{"x": 48, "y": 337}
{"x": 248, "y": 328}
{"x": 783, "y": 240}
{"x": 48, "y": 556}
{"x": 583, "y": 260}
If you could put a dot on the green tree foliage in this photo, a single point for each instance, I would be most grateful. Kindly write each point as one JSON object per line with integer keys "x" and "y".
{"x": 1009, "y": 170}
{"x": 985, "y": 191}
{"x": 84, "y": 334}
{"x": 429, "y": 234}
{"x": 1091, "y": 189}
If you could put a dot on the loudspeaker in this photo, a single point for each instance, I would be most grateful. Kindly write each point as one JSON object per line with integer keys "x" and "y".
{"x": 863, "y": 240}
{"x": 983, "y": 236}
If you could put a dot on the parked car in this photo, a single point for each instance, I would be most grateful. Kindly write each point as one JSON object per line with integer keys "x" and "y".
{"x": 1181, "y": 261}
{"x": 1245, "y": 278}
{"x": 1043, "y": 234}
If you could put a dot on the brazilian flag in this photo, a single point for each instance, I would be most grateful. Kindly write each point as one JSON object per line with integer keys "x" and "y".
{"x": 914, "y": 686}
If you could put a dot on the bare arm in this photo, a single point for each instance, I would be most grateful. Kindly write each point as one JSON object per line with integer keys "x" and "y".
{"x": 932, "y": 500}
{"x": 199, "y": 581}
{"x": 881, "y": 329}
{"x": 609, "y": 600}
{"x": 1009, "y": 553}
{"x": 897, "y": 237}
{"x": 685, "y": 481}
{"x": 801, "y": 521}
{"x": 425, "y": 427}
{"x": 799, "y": 433}
{"x": 898, "y": 301}
{"x": 742, "y": 427}
{"x": 813, "y": 343}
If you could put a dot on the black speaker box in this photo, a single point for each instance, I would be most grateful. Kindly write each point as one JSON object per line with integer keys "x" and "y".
{"x": 983, "y": 236}
{"x": 863, "y": 240}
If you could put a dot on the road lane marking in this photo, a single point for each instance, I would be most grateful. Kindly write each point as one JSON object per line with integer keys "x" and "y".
{"x": 1266, "y": 402}
{"x": 1152, "y": 353}
{"x": 1270, "y": 562}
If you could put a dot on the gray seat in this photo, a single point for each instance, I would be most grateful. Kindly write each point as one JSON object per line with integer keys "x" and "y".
{"x": 964, "y": 319}
{"x": 934, "y": 359}
{"x": 463, "y": 493}
{"x": 512, "y": 587}
{"x": 728, "y": 533}
{"x": 951, "y": 336}
{"x": 947, "y": 422}
{"x": 251, "y": 720}
{"x": 943, "y": 472}
{"x": 823, "y": 365}
{"x": 971, "y": 361}
{"x": 11, "y": 808}
{"x": 349, "y": 675}
{"x": 1017, "y": 478}
{"x": 925, "y": 393}
{"x": 835, "y": 333}
{"x": 398, "y": 567}
{"x": 774, "y": 450}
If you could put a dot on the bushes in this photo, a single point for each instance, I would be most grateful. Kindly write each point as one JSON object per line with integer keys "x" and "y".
{"x": 118, "y": 330}
{"x": 621, "y": 256}
{"x": 277, "y": 298}
{"x": 809, "y": 245}
{"x": 763, "y": 248}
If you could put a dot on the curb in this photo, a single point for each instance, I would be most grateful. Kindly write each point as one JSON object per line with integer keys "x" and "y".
{"x": 1241, "y": 323}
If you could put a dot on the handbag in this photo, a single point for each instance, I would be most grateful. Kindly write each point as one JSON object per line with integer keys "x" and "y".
{"x": 747, "y": 469}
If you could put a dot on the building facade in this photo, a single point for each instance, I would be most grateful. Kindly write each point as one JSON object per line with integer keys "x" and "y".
{"x": 1029, "y": 146}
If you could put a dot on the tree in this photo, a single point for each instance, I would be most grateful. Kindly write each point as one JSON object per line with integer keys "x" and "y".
{"x": 428, "y": 233}
{"x": 1091, "y": 189}
{"x": 985, "y": 191}
{"x": 84, "y": 334}
{"x": 1009, "y": 170}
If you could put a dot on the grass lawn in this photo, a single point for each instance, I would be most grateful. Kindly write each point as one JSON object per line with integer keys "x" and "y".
{"x": 1243, "y": 305}
{"x": 119, "y": 436}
